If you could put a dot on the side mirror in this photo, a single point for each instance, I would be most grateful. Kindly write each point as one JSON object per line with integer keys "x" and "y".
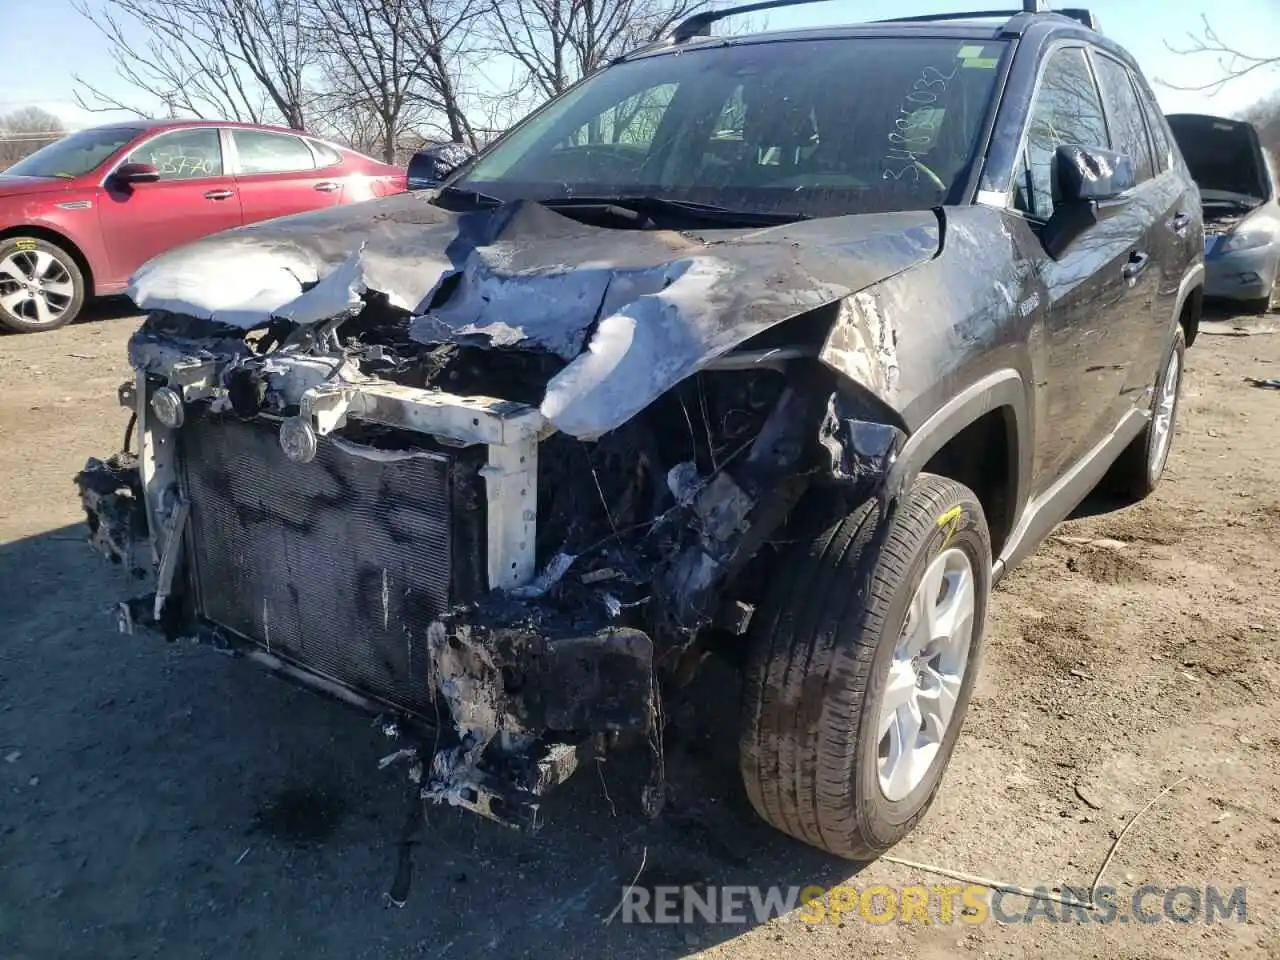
{"x": 431, "y": 165}
{"x": 131, "y": 173}
{"x": 1091, "y": 174}
{"x": 1088, "y": 184}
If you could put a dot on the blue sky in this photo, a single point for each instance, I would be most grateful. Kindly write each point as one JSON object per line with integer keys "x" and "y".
{"x": 43, "y": 73}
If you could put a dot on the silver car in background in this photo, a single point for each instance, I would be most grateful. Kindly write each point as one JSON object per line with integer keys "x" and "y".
{"x": 1237, "y": 180}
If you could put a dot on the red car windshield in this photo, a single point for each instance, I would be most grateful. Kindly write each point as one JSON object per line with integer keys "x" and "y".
{"x": 75, "y": 154}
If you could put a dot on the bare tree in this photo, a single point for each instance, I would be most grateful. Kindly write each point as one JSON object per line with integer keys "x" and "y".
{"x": 400, "y": 62}
{"x": 24, "y": 131}
{"x": 344, "y": 114}
{"x": 230, "y": 59}
{"x": 442, "y": 36}
{"x": 559, "y": 41}
{"x": 382, "y": 75}
{"x": 367, "y": 50}
{"x": 1232, "y": 62}
{"x": 1265, "y": 115}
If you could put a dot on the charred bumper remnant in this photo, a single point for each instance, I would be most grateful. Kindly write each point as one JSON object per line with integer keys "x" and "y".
{"x": 417, "y": 460}
{"x": 111, "y": 491}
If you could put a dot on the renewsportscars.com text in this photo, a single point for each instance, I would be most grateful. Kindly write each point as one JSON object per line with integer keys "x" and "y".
{"x": 938, "y": 904}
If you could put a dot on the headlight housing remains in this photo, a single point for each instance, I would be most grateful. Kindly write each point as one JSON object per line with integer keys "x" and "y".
{"x": 1247, "y": 240}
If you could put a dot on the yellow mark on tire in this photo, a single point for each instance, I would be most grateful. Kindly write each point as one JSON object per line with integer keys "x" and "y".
{"x": 949, "y": 521}
{"x": 950, "y": 516}
{"x": 25, "y": 244}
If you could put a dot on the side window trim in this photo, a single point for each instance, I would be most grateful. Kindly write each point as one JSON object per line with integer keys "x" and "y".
{"x": 230, "y": 158}
{"x": 1089, "y": 53}
{"x": 1138, "y": 98}
{"x": 1153, "y": 115}
{"x": 1023, "y": 161}
{"x": 1159, "y": 163}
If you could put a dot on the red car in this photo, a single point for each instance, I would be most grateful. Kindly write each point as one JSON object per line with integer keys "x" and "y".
{"x": 80, "y": 215}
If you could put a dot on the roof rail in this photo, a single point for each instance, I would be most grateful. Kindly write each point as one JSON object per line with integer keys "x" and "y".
{"x": 1017, "y": 19}
{"x": 699, "y": 24}
{"x": 960, "y": 15}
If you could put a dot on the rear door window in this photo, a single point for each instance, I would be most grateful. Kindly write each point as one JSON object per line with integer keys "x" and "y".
{"x": 1124, "y": 114}
{"x": 263, "y": 152}
{"x": 1067, "y": 111}
{"x": 326, "y": 154}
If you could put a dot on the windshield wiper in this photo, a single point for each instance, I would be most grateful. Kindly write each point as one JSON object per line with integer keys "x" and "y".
{"x": 642, "y": 206}
{"x": 702, "y": 211}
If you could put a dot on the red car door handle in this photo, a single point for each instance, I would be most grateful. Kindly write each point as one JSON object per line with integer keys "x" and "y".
{"x": 218, "y": 194}
{"x": 328, "y": 186}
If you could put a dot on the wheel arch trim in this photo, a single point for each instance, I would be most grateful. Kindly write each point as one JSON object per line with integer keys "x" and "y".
{"x": 1191, "y": 279}
{"x": 1004, "y": 388}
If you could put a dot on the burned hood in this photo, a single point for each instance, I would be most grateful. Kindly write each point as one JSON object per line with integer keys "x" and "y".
{"x": 1223, "y": 155}
{"x": 631, "y": 312}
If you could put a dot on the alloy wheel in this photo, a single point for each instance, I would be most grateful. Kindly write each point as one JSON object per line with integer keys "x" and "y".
{"x": 35, "y": 286}
{"x": 926, "y": 673}
{"x": 1162, "y": 422}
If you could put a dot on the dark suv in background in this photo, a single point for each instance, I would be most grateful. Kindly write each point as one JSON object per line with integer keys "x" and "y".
{"x": 783, "y": 346}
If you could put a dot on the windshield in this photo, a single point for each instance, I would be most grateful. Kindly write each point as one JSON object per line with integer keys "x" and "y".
{"x": 813, "y": 127}
{"x": 74, "y": 155}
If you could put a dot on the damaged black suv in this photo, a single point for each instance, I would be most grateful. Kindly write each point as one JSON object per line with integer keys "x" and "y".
{"x": 783, "y": 347}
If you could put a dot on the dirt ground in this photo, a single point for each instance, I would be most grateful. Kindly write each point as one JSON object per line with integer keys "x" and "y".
{"x": 169, "y": 801}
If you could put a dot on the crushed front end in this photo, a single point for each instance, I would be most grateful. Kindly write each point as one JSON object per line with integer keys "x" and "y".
{"x": 351, "y": 532}
{"x": 509, "y": 541}
{"x": 445, "y": 560}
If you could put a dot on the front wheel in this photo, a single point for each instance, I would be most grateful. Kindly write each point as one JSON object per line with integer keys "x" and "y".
{"x": 860, "y": 667}
{"x": 41, "y": 286}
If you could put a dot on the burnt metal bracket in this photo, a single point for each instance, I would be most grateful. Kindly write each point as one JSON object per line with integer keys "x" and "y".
{"x": 171, "y": 554}
{"x": 194, "y": 379}
{"x": 511, "y": 485}
{"x": 156, "y": 467}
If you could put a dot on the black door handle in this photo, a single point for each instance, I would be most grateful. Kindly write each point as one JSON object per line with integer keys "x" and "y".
{"x": 1179, "y": 223}
{"x": 1137, "y": 263}
{"x": 218, "y": 194}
